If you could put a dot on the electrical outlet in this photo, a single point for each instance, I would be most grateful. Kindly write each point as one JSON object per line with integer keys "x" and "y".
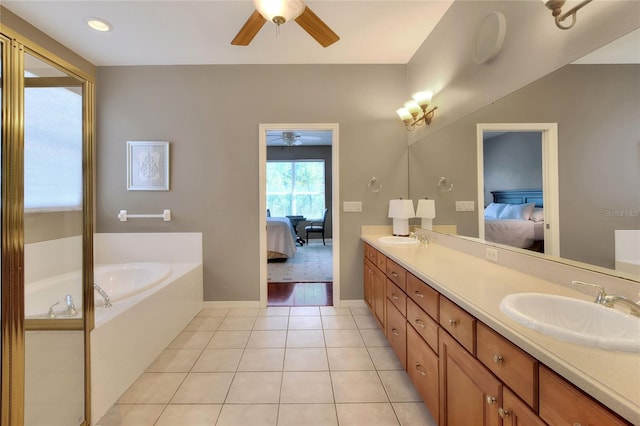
{"x": 465, "y": 206}
{"x": 492, "y": 254}
{"x": 352, "y": 206}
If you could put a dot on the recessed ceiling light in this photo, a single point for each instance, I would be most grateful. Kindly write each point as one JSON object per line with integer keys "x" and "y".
{"x": 99, "y": 24}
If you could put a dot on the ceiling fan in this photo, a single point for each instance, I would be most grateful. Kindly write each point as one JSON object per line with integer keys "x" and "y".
{"x": 279, "y": 12}
{"x": 290, "y": 138}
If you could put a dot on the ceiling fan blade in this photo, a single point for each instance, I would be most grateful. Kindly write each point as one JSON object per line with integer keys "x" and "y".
{"x": 316, "y": 28}
{"x": 249, "y": 29}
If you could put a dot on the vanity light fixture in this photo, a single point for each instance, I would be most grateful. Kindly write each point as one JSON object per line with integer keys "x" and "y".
{"x": 416, "y": 112}
{"x": 401, "y": 211}
{"x": 99, "y": 24}
{"x": 427, "y": 212}
{"x": 556, "y": 10}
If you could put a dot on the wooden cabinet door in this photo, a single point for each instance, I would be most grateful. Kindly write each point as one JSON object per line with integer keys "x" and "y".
{"x": 561, "y": 403}
{"x": 514, "y": 412}
{"x": 396, "y": 327}
{"x": 378, "y": 290}
{"x": 367, "y": 278}
{"x": 469, "y": 393}
{"x": 422, "y": 368}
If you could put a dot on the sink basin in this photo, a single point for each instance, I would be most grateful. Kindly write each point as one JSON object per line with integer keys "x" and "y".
{"x": 574, "y": 320}
{"x": 398, "y": 240}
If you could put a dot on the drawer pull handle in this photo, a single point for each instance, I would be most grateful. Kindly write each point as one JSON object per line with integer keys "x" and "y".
{"x": 395, "y": 332}
{"x": 491, "y": 400}
{"x": 420, "y": 370}
{"x": 452, "y": 322}
{"x": 503, "y": 413}
{"x": 498, "y": 359}
{"x": 394, "y": 275}
{"x": 417, "y": 293}
{"x": 394, "y": 297}
{"x": 419, "y": 322}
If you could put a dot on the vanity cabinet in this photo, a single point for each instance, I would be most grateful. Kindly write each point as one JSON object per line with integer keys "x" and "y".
{"x": 469, "y": 393}
{"x": 561, "y": 403}
{"x": 466, "y": 373}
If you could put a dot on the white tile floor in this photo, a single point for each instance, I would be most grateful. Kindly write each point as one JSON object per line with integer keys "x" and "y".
{"x": 302, "y": 366}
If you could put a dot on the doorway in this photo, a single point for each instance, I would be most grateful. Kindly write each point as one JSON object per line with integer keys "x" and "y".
{"x": 549, "y": 156}
{"x": 302, "y": 206}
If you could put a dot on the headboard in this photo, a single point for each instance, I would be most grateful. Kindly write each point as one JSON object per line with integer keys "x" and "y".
{"x": 518, "y": 196}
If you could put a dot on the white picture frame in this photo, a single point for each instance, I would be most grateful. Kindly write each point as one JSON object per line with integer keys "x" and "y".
{"x": 147, "y": 166}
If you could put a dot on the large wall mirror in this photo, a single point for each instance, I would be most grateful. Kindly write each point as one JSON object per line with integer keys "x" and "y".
{"x": 595, "y": 103}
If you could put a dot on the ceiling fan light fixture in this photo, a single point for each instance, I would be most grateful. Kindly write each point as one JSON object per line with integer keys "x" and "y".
{"x": 279, "y": 11}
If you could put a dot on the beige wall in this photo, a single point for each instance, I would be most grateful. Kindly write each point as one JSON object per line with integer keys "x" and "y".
{"x": 210, "y": 114}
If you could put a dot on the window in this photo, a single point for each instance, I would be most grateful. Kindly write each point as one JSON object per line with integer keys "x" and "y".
{"x": 296, "y": 188}
{"x": 52, "y": 142}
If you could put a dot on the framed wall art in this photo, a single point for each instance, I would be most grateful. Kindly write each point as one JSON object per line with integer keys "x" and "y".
{"x": 147, "y": 166}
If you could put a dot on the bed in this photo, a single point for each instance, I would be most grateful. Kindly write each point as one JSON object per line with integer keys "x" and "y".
{"x": 280, "y": 239}
{"x": 516, "y": 218}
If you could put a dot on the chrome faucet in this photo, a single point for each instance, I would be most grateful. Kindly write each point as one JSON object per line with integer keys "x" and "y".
{"x": 71, "y": 309}
{"x": 609, "y": 300}
{"x": 105, "y": 296}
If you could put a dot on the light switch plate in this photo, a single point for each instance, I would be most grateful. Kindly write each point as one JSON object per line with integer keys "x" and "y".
{"x": 352, "y": 206}
{"x": 465, "y": 206}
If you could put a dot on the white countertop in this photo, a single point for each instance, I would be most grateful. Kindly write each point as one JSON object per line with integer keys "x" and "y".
{"x": 478, "y": 286}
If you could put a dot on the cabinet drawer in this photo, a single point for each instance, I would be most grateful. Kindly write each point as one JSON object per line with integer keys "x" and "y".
{"x": 514, "y": 412}
{"x": 422, "y": 368}
{"x": 381, "y": 261}
{"x": 370, "y": 253}
{"x": 397, "y": 274}
{"x": 397, "y": 297}
{"x": 426, "y": 327}
{"x": 563, "y": 404}
{"x": 396, "y": 327}
{"x": 423, "y": 295}
{"x": 514, "y": 367}
{"x": 458, "y": 323}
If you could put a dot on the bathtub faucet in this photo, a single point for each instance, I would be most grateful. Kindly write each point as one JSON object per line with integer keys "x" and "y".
{"x": 71, "y": 308}
{"x": 105, "y": 296}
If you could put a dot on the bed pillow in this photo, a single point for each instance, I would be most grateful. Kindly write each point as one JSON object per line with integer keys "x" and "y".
{"x": 537, "y": 215}
{"x": 517, "y": 211}
{"x": 493, "y": 210}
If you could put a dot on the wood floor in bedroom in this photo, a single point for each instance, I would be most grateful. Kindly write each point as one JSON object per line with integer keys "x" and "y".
{"x": 300, "y": 294}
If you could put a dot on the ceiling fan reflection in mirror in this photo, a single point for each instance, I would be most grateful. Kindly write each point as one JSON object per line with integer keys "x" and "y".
{"x": 279, "y": 12}
{"x": 289, "y": 138}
